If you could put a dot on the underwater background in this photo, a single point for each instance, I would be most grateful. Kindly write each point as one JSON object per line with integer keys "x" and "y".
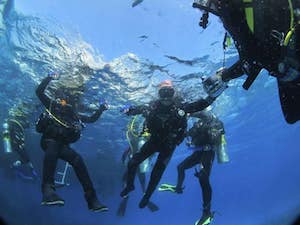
{"x": 120, "y": 53}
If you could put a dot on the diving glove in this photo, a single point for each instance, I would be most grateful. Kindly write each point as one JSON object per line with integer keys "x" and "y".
{"x": 103, "y": 104}
{"x": 53, "y": 75}
{"x": 125, "y": 109}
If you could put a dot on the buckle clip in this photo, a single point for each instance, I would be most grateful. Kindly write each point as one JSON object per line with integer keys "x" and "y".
{"x": 279, "y": 36}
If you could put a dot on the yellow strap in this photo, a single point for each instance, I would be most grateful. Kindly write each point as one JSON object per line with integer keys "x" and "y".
{"x": 250, "y": 18}
{"x": 249, "y": 15}
{"x": 228, "y": 41}
{"x": 56, "y": 119}
{"x": 288, "y": 37}
{"x": 292, "y": 29}
{"x": 131, "y": 127}
{"x": 292, "y": 14}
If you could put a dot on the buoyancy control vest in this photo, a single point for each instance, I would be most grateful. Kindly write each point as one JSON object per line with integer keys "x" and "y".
{"x": 167, "y": 123}
{"x": 59, "y": 124}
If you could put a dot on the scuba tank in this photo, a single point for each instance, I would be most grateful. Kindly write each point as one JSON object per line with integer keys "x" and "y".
{"x": 221, "y": 150}
{"x": 6, "y": 139}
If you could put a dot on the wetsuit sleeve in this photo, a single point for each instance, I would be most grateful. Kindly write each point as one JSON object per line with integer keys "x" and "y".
{"x": 40, "y": 92}
{"x": 238, "y": 69}
{"x": 93, "y": 118}
{"x": 233, "y": 72}
{"x": 198, "y": 105}
{"x": 136, "y": 110}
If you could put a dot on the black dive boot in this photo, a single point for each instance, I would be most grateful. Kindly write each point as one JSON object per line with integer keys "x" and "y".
{"x": 93, "y": 202}
{"x": 50, "y": 198}
{"x": 144, "y": 202}
{"x": 126, "y": 190}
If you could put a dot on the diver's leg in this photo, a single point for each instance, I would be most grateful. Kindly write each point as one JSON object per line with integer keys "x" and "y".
{"x": 187, "y": 163}
{"x": 147, "y": 150}
{"x": 51, "y": 148}
{"x": 123, "y": 204}
{"x": 76, "y": 161}
{"x": 142, "y": 179}
{"x": 24, "y": 157}
{"x": 203, "y": 175}
{"x": 289, "y": 94}
{"x": 157, "y": 172}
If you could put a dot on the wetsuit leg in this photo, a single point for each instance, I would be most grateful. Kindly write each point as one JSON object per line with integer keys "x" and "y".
{"x": 24, "y": 157}
{"x": 51, "y": 148}
{"x": 289, "y": 94}
{"x": 187, "y": 163}
{"x": 124, "y": 178}
{"x": 142, "y": 179}
{"x": 76, "y": 161}
{"x": 147, "y": 150}
{"x": 158, "y": 170}
{"x": 207, "y": 161}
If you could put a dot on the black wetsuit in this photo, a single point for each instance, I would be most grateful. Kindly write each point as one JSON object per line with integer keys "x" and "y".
{"x": 167, "y": 125}
{"x": 17, "y": 138}
{"x": 260, "y": 49}
{"x": 205, "y": 137}
{"x": 56, "y": 139}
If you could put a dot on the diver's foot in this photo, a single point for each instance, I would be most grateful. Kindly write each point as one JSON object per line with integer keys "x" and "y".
{"x": 126, "y": 190}
{"x": 206, "y": 219}
{"x": 94, "y": 204}
{"x": 144, "y": 202}
{"x": 97, "y": 207}
{"x": 52, "y": 199}
{"x": 179, "y": 190}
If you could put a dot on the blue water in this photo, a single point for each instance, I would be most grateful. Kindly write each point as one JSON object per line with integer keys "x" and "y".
{"x": 97, "y": 44}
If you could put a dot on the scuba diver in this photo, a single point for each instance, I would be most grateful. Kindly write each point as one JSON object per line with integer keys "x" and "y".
{"x": 166, "y": 119}
{"x": 204, "y": 139}
{"x": 14, "y": 141}
{"x": 137, "y": 134}
{"x": 60, "y": 126}
{"x": 267, "y": 36}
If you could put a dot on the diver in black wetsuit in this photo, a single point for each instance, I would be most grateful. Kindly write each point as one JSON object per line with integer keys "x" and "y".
{"x": 267, "y": 36}
{"x": 14, "y": 142}
{"x": 137, "y": 134}
{"x": 61, "y": 125}
{"x": 205, "y": 138}
{"x": 166, "y": 120}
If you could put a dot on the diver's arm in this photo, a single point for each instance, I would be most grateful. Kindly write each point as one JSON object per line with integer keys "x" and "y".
{"x": 94, "y": 117}
{"x": 235, "y": 71}
{"x": 136, "y": 110}
{"x": 40, "y": 92}
{"x": 198, "y": 105}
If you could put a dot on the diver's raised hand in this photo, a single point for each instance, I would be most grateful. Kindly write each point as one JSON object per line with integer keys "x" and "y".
{"x": 125, "y": 109}
{"x": 53, "y": 75}
{"x": 103, "y": 104}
